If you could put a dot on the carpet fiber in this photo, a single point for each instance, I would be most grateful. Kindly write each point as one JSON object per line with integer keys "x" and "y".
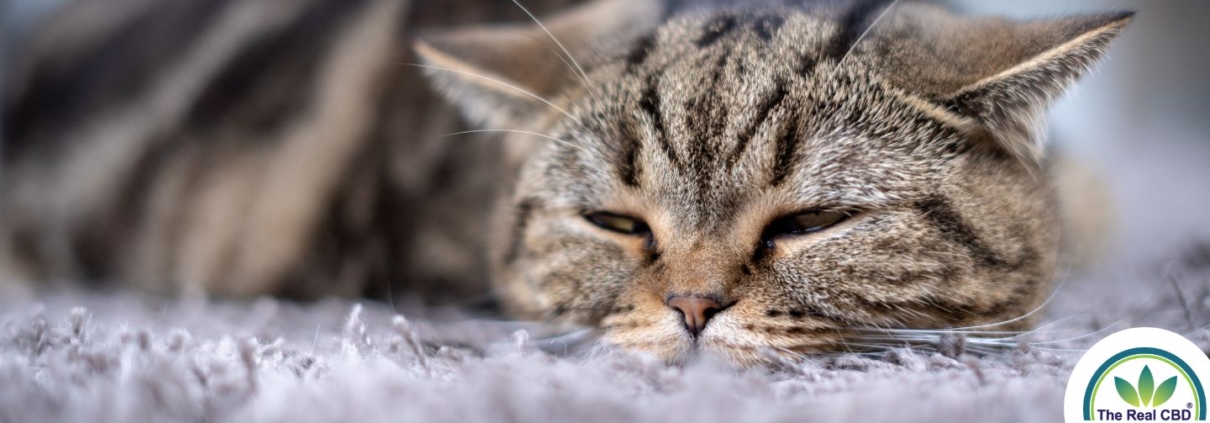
{"x": 126, "y": 357}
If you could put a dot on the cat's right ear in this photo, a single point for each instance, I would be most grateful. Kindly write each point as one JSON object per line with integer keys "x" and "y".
{"x": 507, "y": 75}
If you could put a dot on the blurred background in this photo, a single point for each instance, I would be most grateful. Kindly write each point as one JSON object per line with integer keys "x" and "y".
{"x": 1140, "y": 122}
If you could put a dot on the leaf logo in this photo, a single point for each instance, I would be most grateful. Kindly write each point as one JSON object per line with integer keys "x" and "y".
{"x": 1146, "y": 394}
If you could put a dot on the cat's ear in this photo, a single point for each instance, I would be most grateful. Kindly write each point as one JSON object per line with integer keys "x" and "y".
{"x": 1043, "y": 59}
{"x": 504, "y": 74}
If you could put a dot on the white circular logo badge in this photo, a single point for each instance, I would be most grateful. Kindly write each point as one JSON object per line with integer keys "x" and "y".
{"x": 1139, "y": 375}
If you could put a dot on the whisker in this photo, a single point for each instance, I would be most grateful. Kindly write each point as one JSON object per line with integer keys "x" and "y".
{"x": 1110, "y": 326}
{"x": 503, "y": 317}
{"x": 582, "y": 75}
{"x": 790, "y": 352}
{"x": 1151, "y": 298}
{"x": 1058, "y": 322}
{"x": 496, "y": 81}
{"x": 869, "y": 29}
{"x": 945, "y": 331}
{"x": 561, "y": 59}
{"x": 1053, "y": 294}
{"x": 567, "y": 341}
{"x": 515, "y": 131}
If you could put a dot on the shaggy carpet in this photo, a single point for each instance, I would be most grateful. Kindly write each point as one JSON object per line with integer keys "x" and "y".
{"x": 74, "y": 356}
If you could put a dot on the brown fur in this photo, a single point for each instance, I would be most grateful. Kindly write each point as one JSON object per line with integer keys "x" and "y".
{"x": 712, "y": 125}
{"x": 289, "y": 148}
{"x": 238, "y": 148}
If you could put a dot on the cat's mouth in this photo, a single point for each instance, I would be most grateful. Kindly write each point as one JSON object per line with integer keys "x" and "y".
{"x": 728, "y": 338}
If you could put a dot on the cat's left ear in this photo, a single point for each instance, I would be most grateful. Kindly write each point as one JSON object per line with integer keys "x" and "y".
{"x": 504, "y": 75}
{"x": 1010, "y": 104}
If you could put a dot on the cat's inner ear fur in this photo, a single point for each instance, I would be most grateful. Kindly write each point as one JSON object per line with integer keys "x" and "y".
{"x": 500, "y": 75}
{"x": 1000, "y": 73}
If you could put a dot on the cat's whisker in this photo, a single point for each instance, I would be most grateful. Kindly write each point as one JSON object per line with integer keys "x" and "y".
{"x": 501, "y": 83}
{"x": 799, "y": 358}
{"x": 1043, "y": 327}
{"x": 985, "y": 345}
{"x": 1087, "y": 335}
{"x": 1040, "y": 307}
{"x": 780, "y": 353}
{"x": 515, "y": 131}
{"x": 790, "y": 352}
{"x": 935, "y": 339}
{"x": 932, "y": 339}
{"x": 1088, "y": 309}
{"x": 937, "y": 331}
{"x": 885, "y": 11}
{"x": 563, "y": 59}
{"x": 581, "y": 75}
{"x": 567, "y": 340}
{"x": 973, "y": 336}
{"x": 874, "y": 347}
{"x": 503, "y": 317}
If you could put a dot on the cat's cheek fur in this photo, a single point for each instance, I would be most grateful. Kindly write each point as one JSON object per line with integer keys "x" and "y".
{"x": 575, "y": 273}
{"x": 644, "y": 323}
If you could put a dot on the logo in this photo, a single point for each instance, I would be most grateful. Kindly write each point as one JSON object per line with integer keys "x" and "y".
{"x": 1140, "y": 374}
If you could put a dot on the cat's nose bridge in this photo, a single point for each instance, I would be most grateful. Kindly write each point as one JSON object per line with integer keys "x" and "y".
{"x": 701, "y": 269}
{"x": 699, "y": 283}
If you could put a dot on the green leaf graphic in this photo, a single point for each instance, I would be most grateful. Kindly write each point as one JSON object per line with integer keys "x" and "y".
{"x": 1126, "y": 391}
{"x": 1164, "y": 391}
{"x": 1146, "y": 386}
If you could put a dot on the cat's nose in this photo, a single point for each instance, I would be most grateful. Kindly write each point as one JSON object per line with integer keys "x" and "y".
{"x": 697, "y": 311}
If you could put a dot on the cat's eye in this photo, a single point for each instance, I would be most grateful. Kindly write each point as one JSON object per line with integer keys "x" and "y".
{"x": 618, "y": 223}
{"x": 805, "y": 223}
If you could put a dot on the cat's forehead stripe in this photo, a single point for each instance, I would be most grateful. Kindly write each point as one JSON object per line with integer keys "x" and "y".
{"x": 691, "y": 111}
{"x": 703, "y": 113}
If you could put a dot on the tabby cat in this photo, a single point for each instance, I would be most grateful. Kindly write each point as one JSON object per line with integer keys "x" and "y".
{"x": 740, "y": 180}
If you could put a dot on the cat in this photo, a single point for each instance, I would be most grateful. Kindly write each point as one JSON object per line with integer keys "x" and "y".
{"x": 742, "y": 180}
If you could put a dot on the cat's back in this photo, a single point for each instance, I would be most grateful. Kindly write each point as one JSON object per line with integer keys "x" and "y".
{"x": 240, "y": 147}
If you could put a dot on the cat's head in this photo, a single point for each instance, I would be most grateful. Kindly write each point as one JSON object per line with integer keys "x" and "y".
{"x": 733, "y": 182}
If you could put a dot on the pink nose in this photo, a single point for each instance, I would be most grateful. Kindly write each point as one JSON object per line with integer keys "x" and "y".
{"x": 696, "y": 310}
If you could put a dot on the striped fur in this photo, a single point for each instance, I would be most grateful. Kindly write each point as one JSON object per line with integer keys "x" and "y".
{"x": 240, "y": 148}
{"x": 715, "y": 124}
{"x": 292, "y": 147}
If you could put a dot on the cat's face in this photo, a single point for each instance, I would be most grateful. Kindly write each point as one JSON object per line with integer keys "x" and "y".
{"x": 738, "y": 183}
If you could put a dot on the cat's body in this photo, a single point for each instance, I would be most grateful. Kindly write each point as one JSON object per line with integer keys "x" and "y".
{"x": 726, "y": 179}
{"x": 184, "y": 147}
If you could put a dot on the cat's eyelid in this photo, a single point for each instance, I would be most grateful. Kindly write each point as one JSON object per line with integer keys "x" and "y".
{"x": 783, "y": 225}
{"x": 612, "y": 221}
{"x": 849, "y": 211}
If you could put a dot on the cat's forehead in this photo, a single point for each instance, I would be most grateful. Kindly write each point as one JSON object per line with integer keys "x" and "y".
{"x": 712, "y": 109}
{"x": 784, "y": 37}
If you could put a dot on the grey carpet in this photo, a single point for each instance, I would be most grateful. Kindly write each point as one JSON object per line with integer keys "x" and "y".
{"x": 122, "y": 357}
